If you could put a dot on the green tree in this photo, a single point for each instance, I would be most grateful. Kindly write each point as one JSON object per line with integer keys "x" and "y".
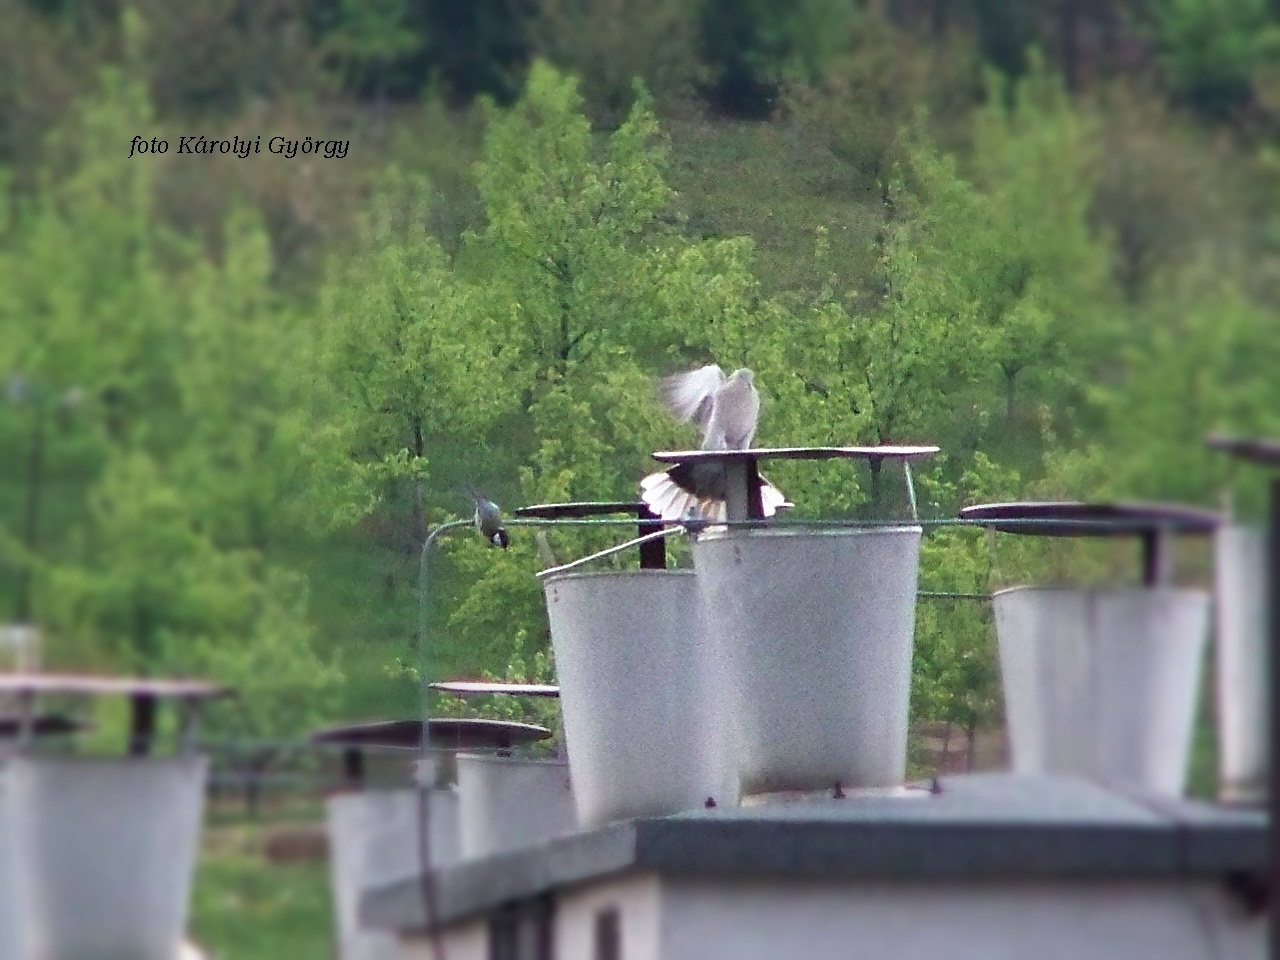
{"x": 1201, "y": 361}
{"x": 1042, "y": 274}
{"x": 475, "y": 49}
{"x": 609, "y": 44}
{"x": 1211, "y": 48}
{"x": 367, "y": 39}
{"x": 175, "y": 481}
{"x": 580, "y": 265}
{"x": 751, "y": 47}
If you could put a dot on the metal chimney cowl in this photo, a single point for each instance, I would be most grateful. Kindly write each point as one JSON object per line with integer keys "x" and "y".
{"x": 815, "y": 631}
{"x": 1102, "y": 683}
{"x": 103, "y": 852}
{"x": 375, "y": 838}
{"x": 1242, "y": 663}
{"x": 641, "y": 697}
{"x": 507, "y": 803}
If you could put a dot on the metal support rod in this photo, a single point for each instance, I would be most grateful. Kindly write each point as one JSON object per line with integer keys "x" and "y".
{"x": 742, "y": 499}
{"x": 653, "y": 553}
{"x": 188, "y": 724}
{"x": 1273, "y": 598}
{"x": 142, "y": 724}
{"x": 26, "y": 719}
{"x": 1030, "y": 525}
{"x": 1157, "y": 558}
{"x": 423, "y": 648}
{"x": 736, "y": 503}
{"x": 911, "y": 488}
{"x": 755, "y": 500}
{"x": 353, "y": 766}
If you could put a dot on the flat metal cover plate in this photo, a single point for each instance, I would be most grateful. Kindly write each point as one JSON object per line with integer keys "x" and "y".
{"x": 1074, "y": 519}
{"x": 1266, "y": 452}
{"x": 465, "y": 733}
{"x": 796, "y": 453}
{"x": 481, "y": 687}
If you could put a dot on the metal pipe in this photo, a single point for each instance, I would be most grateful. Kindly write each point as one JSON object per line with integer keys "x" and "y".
{"x": 1273, "y": 579}
{"x": 1157, "y": 558}
{"x": 911, "y": 488}
{"x": 1030, "y": 524}
{"x": 653, "y": 555}
{"x": 142, "y": 724}
{"x": 619, "y": 548}
{"x": 423, "y": 649}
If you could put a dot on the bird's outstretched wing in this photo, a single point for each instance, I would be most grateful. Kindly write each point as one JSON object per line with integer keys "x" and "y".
{"x": 691, "y": 396}
{"x": 697, "y": 490}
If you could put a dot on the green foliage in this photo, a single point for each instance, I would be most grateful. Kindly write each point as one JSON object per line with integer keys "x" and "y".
{"x": 1203, "y": 363}
{"x": 609, "y": 44}
{"x": 367, "y": 37}
{"x": 171, "y": 468}
{"x": 246, "y": 908}
{"x": 1161, "y": 195}
{"x": 954, "y": 671}
{"x": 475, "y": 49}
{"x": 1211, "y": 48}
{"x": 876, "y": 87}
{"x": 1044, "y": 276}
{"x": 402, "y": 352}
{"x": 750, "y": 47}
{"x": 1006, "y": 29}
{"x": 212, "y": 57}
{"x": 234, "y": 477}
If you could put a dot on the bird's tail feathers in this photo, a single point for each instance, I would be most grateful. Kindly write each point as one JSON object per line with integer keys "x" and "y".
{"x": 671, "y": 502}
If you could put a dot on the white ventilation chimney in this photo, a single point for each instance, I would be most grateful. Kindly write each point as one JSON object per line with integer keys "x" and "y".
{"x": 1242, "y": 663}
{"x": 641, "y": 697}
{"x": 815, "y": 631}
{"x": 1103, "y": 682}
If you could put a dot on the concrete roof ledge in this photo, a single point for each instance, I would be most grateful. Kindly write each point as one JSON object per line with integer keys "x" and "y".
{"x": 981, "y": 827}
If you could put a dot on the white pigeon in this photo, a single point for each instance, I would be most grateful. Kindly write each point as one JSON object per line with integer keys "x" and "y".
{"x": 726, "y": 409}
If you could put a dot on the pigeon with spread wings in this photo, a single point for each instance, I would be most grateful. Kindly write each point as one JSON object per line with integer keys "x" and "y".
{"x": 726, "y": 410}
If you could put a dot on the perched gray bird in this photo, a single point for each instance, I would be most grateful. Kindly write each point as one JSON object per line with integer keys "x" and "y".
{"x": 726, "y": 409}
{"x": 488, "y": 519}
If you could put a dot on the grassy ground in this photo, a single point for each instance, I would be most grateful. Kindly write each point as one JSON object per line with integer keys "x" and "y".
{"x": 248, "y": 908}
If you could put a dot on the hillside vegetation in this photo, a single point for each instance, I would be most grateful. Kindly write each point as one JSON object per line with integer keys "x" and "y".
{"x": 239, "y": 391}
